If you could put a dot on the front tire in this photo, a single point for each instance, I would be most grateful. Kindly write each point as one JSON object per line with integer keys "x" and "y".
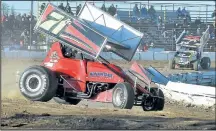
{"x": 38, "y": 83}
{"x": 205, "y": 63}
{"x": 123, "y": 96}
{"x": 155, "y": 102}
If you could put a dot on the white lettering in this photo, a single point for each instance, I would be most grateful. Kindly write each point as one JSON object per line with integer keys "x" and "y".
{"x": 47, "y": 25}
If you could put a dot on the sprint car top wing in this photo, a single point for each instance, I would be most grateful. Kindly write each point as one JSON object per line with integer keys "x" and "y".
{"x": 123, "y": 39}
{"x": 70, "y": 30}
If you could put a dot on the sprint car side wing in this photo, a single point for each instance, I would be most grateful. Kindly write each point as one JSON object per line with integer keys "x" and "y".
{"x": 123, "y": 38}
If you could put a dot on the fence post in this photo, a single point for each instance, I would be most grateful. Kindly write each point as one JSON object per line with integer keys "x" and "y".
{"x": 38, "y": 12}
{"x": 173, "y": 7}
{"x": 199, "y": 11}
{"x": 165, "y": 15}
{"x": 206, "y": 13}
{"x": 130, "y": 13}
{"x": 47, "y": 43}
{"x": 140, "y": 8}
{"x": 31, "y": 28}
{"x": 172, "y": 38}
{"x": 168, "y": 55}
{"x": 139, "y": 55}
{"x": 161, "y": 8}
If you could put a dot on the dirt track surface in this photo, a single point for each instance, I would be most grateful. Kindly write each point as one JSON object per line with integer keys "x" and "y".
{"x": 19, "y": 113}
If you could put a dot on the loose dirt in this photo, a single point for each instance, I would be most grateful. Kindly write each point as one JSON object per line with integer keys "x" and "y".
{"x": 19, "y": 113}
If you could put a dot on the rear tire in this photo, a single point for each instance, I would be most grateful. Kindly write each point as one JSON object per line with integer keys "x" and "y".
{"x": 123, "y": 96}
{"x": 205, "y": 63}
{"x": 68, "y": 101}
{"x": 172, "y": 64}
{"x": 38, "y": 83}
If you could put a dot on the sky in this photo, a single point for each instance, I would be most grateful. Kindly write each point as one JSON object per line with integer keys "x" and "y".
{"x": 25, "y": 6}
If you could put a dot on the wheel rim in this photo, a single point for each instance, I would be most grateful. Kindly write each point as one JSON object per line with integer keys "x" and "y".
{"x": 198, "y": 66}
{"x": 208, "y": 64}
{"x": 33, "y": 83}
{"x": 119, "y": 96}
{"x": 148, "y": 103}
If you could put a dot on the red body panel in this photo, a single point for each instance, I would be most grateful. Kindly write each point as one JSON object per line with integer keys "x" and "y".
{"x": 81, "y": 71}
{"x": 141, "y": 71}
{"x": 65, "y": 66}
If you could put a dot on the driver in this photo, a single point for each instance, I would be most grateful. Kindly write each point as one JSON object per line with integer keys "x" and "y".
{"x": 72, "y": 53}
{"x": 69, "y": 52}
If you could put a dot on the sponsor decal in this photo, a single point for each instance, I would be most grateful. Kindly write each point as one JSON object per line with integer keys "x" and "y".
{"x": 49, "y": 64}
{"x": 101, "y": 74}
{"x": 53, "y": 59}
{"x": 54, "y": 55}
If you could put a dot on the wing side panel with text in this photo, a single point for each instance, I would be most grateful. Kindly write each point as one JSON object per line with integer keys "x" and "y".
{"x": 123, "y": 39}
{"x": 70, "y": 30}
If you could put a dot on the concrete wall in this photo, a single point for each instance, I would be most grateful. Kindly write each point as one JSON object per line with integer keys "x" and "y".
{"x": 149, "y": 55}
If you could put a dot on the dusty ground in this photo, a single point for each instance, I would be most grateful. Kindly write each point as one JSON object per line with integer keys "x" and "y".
{"x": 19, "y": 113}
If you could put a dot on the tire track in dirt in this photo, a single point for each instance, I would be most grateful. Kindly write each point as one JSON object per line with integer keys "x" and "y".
{"x": 46, "y": 121}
